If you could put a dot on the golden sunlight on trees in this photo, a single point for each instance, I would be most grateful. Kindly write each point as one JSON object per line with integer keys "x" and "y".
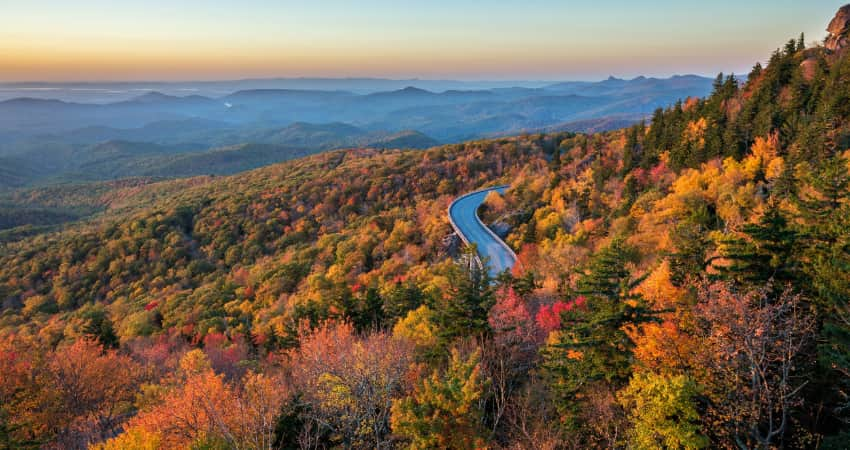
{"x": 198, "y": 407}
{"x": 351, "y": 383}
{"x": 442, "y": 411}
{"x": 753, "y": 343}
{"x": 662, "y": 412}
{"x": 680, "y": 283}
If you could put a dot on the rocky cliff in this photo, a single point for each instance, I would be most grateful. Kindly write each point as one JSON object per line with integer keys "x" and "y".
{"x": 839, "y": 30}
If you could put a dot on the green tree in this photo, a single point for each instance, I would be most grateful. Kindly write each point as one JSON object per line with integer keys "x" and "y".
{"x": 462, "y": 311}
{"x": 402, "y": 298}
{"x": 631, "y": 151}
{"x": 592, "y": 344}
{"x": 290, "y": 423}
{"x": 99, "y": 327}
{"x": 766, "y": 252}
{"x": 825, "y": 213}
{"x": 443, "y": 410}
{"x": 370, "y": 312}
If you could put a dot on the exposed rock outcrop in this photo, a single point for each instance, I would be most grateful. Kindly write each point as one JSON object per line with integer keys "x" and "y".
{"x": 839, "y": 30}
{"x": 450, "y": 245}
{"x": 809, "y": 68}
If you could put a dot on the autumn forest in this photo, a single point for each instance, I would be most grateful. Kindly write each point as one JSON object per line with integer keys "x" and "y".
{"x": 680, "y": 283}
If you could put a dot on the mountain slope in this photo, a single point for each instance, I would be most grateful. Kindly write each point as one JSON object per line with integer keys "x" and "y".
{"x": 678, "y": 283}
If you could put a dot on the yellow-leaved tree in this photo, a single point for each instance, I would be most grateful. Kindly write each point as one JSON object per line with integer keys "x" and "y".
{"x": 443, "y": 412}
{"x": 662, "y": 412}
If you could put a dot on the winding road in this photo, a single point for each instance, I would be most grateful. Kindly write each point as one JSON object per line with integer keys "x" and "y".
{"x": 463, "y": 215}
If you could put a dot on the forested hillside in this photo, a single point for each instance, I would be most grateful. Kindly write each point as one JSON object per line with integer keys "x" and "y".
{"x": 682, "y": 283}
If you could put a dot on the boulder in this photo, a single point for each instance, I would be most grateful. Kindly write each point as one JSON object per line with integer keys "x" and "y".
{"x": 839, "y": 30}
{"x": 809, "y": 68}
{"x": 450, "y": 245}
{"x": 501, "y": 229}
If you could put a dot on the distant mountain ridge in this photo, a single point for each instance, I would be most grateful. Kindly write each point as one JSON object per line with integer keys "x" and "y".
{"x": 69, "y": 138}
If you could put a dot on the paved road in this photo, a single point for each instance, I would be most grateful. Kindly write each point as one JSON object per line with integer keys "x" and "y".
{"x": 463, "y": 214}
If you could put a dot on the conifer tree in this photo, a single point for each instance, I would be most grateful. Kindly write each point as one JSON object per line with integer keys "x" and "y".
{"x": 592, "y": 345}
{"x": 764, "y": 254}
{"x": 462, "y": 311}
{"x": 370, "y": 313}
{"x": 824, "y": 205}
{"x": 401, "y": 299}
{"x": 631, "y": 152}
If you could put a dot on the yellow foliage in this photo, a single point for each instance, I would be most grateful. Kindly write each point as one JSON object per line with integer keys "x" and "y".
{"x": 402, "y": 232}
{"x": 195, "y": 362}
{"x": 548, "y": 222}
{"x": 663, "y": 346}
{"x": 695, "y": 132}
{"x": 558, "y": 199}
{"x": 764, "y": 158}
{"x": 575, "y": 354}
{"x": 663, "y": 412}
{"x": 554, "y": 338}
{"x": 135, "y": 438}
{"x": 765, "y": 148}
{"x": 495, "y": 201}
{"x": 730, "y": 188}
{"x": 442, "y": 411}
{"x": 417, "y": 327}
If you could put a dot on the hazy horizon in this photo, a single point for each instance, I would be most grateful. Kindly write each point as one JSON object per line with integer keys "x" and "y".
{"x": 114, "y": 91}
{"x": 493, "y": 80}
{"x": 545, "y": 40}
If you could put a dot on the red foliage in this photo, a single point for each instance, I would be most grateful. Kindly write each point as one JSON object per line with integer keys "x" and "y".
{"x": 641, "y": 176}
{"x": 226, "y": 354}
{"x": 549, "y": 316}
{"x": 510, "y": 318}
{"x": 658, "y": 172}
{"x": 159, "y": 355}
{"x": 151, "y": 305}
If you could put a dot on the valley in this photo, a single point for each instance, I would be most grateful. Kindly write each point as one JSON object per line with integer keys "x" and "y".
{"x": 49, "y": 141}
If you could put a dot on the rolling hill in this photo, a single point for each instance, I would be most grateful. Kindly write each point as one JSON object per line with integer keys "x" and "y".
{"x": 62, "y": 137}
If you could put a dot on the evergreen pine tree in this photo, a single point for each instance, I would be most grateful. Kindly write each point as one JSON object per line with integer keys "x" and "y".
{"x": 764, "y": 254}
{"x": 99, "y": 327}
{"x": 631, "y": 151}
{"x": 370, "y": 313}
{"x": 555, "y": 164}
{"x": 592, "y": 345}
{"x": 401, "y": 299}
{"x": 462, "y": 311}
{"x": 824, "y": 205}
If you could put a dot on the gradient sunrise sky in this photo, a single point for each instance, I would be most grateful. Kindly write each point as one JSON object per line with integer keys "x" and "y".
{"x": 98, "y": 40}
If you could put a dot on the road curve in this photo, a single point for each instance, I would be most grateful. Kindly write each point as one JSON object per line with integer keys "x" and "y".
{"x": 463, "y": 215}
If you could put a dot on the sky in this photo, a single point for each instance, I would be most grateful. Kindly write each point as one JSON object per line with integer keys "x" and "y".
{"x": 135, "y": 40}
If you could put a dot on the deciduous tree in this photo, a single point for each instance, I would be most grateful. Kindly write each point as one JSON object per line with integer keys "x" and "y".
{"x": 442, "y": 411}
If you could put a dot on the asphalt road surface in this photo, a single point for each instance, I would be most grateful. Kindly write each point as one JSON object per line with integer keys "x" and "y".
{"x": 463, "y": 213}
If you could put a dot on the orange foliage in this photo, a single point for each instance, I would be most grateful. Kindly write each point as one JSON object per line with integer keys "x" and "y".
{"x": 659, "y": 289}
{"x": 200, "y": 405}
{"x": 664, "y": 346}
